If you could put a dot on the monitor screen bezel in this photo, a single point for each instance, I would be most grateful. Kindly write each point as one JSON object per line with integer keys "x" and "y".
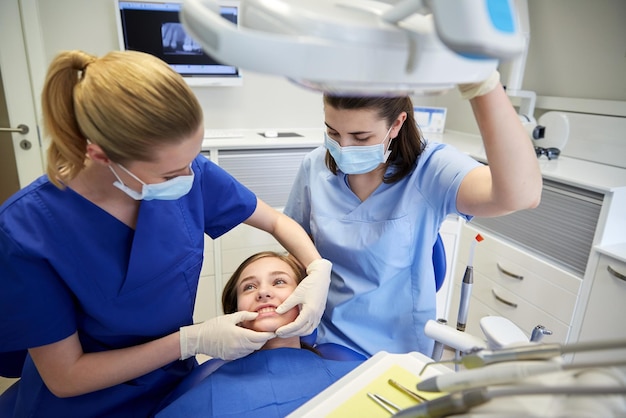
{"x": 219, "y": 73}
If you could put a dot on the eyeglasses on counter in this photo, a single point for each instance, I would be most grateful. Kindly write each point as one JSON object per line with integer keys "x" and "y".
{"x": 551, "y": 153}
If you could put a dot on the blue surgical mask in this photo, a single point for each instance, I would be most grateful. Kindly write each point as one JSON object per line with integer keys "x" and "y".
{"x": 168, "y": 190}
{"x": 357, "y": 159}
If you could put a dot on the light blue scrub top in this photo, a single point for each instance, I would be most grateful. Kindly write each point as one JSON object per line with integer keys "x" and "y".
{"x": 382, "y": 290}
{"x": 68, "y": 266}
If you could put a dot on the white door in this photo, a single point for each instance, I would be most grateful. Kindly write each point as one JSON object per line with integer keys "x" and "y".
{"x": 21, "y": 159}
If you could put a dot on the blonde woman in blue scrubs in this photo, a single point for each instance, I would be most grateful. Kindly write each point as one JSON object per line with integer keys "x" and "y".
{"x": 100, "y": 258}
{"x": 375, "y": 195}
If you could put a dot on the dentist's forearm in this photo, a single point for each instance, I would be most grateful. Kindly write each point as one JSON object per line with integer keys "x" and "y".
{"x": 67, "y": 371}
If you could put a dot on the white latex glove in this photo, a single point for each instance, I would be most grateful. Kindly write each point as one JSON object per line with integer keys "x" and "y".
{"x": 221, "y": 337}
{"x": 311, "y": 295}
{"x": 471, "y": 90}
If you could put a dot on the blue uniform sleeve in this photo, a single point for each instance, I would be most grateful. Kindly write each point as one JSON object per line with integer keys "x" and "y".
{"x": 40, "y": 307}
{"x": 226, "y": 202}
{"x": 444, "y": 169}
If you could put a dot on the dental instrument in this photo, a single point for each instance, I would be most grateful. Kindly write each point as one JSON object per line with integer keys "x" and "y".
{"x": 463, "y": 401}
{"x": 406, "y": 391}
{"x": 384, "y": 403}
{"x": 466, "y": 286}
{"x": 346, "y": 46}
{"x": 535, "y": 352}
{"x": 500, "y": 373}
{"x": 481, "y": 357}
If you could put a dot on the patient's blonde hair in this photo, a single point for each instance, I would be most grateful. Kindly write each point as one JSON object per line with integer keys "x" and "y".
{"x": 127, "y": 102}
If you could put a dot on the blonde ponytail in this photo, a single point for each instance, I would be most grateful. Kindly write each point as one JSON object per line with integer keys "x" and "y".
{"x": 66, "y": 153}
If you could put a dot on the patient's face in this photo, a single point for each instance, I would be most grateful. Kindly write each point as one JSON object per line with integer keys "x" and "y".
{"x": 262, "y": 287}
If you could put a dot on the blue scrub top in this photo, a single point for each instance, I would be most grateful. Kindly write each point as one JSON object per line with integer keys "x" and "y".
{"x": 66, "y": 265}
{"x": 382, "y": 289}
{"x": 267, "y": 383}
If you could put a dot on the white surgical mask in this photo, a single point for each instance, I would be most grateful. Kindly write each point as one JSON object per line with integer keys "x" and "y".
{"x": 357, "y": 159}
{"x": 168, "y": 190}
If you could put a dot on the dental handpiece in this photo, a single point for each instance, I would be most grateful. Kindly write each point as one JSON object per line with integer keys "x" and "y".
{"x": 486, "y": 376}
{"x": 464, "y": 401}
{"x": 534, "y": 352}
{"x": 466, "y": 287}
{"x": 466, "y": 293}
{"x": 500, "y": 373}
{"x": 454, "y": 403}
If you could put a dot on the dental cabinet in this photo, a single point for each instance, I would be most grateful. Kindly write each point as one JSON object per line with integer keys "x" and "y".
{"x": 561, "y": 265}
{"x": 546, "y": 266}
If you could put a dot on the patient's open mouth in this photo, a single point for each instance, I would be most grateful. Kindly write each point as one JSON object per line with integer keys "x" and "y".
{"x": 266, "y": 309}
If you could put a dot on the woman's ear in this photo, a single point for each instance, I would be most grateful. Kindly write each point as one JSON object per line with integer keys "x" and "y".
{"x": 397, "y": 124}
{"x": 97, "y": 154}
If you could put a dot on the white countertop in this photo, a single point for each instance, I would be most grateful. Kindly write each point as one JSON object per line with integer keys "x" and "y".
{"x": 254, "y": 139}
{"x": 584, "y": 174}
{"x": 617, "y": 251}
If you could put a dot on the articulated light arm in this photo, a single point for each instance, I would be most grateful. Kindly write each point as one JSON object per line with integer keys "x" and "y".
{"x": 361, "y": 46}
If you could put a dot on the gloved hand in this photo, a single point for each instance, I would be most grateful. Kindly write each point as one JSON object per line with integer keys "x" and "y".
{"x": 221, "y": 337}
{"x": 471, "y": 90}
{"x": 311, "y": 295}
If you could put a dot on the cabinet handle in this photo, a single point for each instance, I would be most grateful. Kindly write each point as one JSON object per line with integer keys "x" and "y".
{"x": 506, "y": 302}
{"x": 616, "y": 273}
{"x": 508, "y": 273}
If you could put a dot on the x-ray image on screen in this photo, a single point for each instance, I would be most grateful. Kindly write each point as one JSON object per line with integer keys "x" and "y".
{"x": 176, "y": 40}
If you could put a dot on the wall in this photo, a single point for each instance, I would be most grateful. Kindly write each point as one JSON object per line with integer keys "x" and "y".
{"x": 263, "y": 102}
{"x": 577, "y": 52}
{"x": 577, "y": 49}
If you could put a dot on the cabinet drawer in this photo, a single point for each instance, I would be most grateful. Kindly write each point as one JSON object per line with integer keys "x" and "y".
{"x": 514, "y": 271}
{"x": 525, "y": 319}
{"x": 525, "y": 316}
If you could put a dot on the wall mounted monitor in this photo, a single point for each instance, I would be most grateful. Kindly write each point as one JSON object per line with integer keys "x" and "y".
{"x": 153, "y": 26}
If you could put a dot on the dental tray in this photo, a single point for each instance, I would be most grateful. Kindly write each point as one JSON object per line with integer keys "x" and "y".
{"x": 348, "y": 396}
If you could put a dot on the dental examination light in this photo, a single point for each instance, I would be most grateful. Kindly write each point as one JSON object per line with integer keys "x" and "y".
{"x": 362, "y": 46}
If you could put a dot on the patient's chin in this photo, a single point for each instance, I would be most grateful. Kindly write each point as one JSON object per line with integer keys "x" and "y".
{"x": 268, "y": 324}
{"x": 271, "y": 324}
